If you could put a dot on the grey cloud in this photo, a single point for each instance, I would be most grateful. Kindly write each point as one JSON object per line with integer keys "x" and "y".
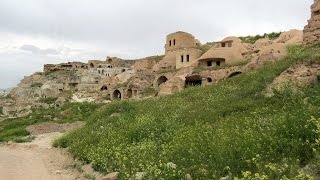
{"x": 37, "y": 50}
{"x": 144, "y": 23}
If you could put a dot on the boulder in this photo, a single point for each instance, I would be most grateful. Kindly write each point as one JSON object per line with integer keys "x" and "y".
{"x": 111, "y": 176}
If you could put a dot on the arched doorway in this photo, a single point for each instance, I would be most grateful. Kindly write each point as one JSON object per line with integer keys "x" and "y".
{"x": 237, "y": 73}
{"x": 129, "y": 93}
{"x": 116, "y": 94}
{"x": 91, "y": 65}
{"x": 161, "y": 80}
{"x": 194, "y": 80}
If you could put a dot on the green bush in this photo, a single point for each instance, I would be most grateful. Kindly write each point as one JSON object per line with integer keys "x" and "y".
{"x": 48, "y": 100}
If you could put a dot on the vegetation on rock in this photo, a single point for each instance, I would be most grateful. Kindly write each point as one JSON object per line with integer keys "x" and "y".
{"x": 253, "y": 39}
{"x": 48, "y": 100}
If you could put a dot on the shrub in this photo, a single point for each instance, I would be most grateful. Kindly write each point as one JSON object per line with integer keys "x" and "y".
{"x": 48, "y": 100}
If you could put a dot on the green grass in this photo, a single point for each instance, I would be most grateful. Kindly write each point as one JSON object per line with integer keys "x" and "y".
{"x": 15, "y": 129}
{"x": 253, "y": 39}
{"x": 228, "y": 129}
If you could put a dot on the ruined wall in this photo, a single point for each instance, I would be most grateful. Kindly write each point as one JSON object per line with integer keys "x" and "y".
{"x": 144, "y": 64}
{"x": 311, "y": 32}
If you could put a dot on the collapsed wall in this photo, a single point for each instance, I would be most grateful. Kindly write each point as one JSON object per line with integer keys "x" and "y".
{"x": 311, "y": 32}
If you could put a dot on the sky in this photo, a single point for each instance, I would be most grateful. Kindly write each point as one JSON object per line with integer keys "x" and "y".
{"x": 37, "y": 32}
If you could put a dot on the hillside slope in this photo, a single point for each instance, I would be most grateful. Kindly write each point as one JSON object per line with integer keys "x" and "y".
{"x": 231, "y": 129}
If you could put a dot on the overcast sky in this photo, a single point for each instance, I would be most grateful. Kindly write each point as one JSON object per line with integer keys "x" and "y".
{"x": 35, "y": 32}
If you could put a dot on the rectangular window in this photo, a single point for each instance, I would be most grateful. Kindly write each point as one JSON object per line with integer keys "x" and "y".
{"x": 218, "y": 63}
{"x": 182, "y": 58}
{"x": 209, "y": 63}
{"x": 170, "y": 43}
{"x": 188, "y": 58}
{"x": 223, "y": 44}
{"x": 174, "y": 42}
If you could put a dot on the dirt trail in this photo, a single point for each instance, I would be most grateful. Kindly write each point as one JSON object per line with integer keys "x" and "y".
{"x": 37, "y": 161}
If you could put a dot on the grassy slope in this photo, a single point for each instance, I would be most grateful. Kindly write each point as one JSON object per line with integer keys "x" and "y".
{"x": 15, "y": 129}
{"x": 227, "y": 129}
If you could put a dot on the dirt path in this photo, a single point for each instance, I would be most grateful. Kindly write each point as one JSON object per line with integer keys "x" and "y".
{"x": 38, "y": 161}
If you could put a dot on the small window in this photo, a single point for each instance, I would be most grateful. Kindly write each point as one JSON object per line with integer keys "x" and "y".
{"x": 209, "y": 79}
{"x": 218, "y": 63}
{"x": 182, "y": 58}
{"x": 170, "y": 43}
{"x": 188, "y": 58}
{"x": 223, "y": 44}
{"x": 209, "y": 63}
{"x": 174, "y": 42}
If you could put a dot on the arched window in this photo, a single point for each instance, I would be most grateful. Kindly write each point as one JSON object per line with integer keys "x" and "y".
{"x": 161, "y": 80}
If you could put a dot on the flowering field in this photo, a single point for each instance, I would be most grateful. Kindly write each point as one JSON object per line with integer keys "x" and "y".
{"x": 230, "y": 129}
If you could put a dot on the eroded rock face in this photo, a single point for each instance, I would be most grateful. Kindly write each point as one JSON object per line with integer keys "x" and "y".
{"x": 311, "y": 33}
{"x": 296, "y": 77}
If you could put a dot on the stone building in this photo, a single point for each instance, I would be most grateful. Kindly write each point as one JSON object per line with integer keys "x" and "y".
{"x": 311, "y": 32}
{"x": 185, "y": 57}
{"x": 180, "y": 40}
{"x": 228, "y": 51}
{"x": 181, "y": 49}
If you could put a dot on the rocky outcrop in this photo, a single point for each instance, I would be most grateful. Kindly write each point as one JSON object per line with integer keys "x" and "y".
{"x": 296, "y": 77}
{"x": 311, "y": 32}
